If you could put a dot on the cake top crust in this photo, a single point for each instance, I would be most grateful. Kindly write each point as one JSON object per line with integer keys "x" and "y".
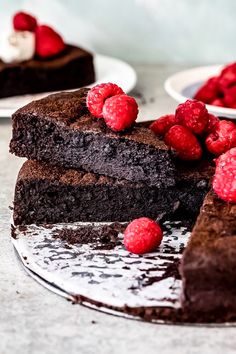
{"x": 34, "y": 170}
{"x": 68, "y": 109}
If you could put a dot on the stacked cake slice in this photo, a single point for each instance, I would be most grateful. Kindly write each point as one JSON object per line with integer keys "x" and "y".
{"x": 53, "y": 194}
{"x": 79, "y": 170}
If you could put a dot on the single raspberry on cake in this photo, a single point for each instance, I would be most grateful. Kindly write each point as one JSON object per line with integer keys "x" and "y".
{"x": 222, "y": 138}
{"x": 48, "y": 42}
{"x": 142, "y": 235}
{"x": 184, "y": 142}
{"x": 120, "y": 112}
{"x": 97, "y": 96}
{"x": 193, "y": 115}
{"x": 163, "y": 124}
{"x": 209, "y": 91}
{"x": 24, "y": 22}
{"x": 224, "y": 182}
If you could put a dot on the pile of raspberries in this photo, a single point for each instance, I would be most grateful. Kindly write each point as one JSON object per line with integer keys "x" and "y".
{"x": 187, "y": 132}
{"x": 191, "y": 130}
{"x": 220, "y": 90}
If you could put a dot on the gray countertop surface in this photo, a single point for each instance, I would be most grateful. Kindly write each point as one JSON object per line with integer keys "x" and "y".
{"x": 34, "y": 320}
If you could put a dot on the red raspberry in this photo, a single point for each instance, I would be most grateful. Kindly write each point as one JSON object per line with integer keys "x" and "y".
{"x": 24, "y": 22}
{"x": 97, "y": 96}
{"x": 217, "y": 102}
{"x": 142, "y": 235}
{"x": 120, "y": 112}
{"x": 193, "y": 115}
{"x": 230, "y": 96}
{"x": 48, "y": 42}
{"x": 222, "y": 138}
{"x": 208, "y": 91}
{"x": 212, "y": 124}
{"x": 224, "y": 180}
{"x": 227, "y": 76}
{"x": 182, "y": 140}
{"x": 163, "y": 124}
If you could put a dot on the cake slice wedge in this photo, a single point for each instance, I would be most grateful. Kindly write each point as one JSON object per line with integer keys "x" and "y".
{"x": 46, "y": 194}
{"x": 60, "y": 130}
{"x": 208, "y": 266}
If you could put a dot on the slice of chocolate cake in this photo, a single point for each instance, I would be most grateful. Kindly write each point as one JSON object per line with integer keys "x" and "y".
{"x": 72, "y": 68}
{"x": 60, "y": 130}
{"x": 46, "y": 194}
{"x": 209, "y": 262}
{"x": 53, "y": 195}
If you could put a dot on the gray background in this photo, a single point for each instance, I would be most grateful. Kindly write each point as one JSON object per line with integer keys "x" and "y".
{"x": 146, "y": 31}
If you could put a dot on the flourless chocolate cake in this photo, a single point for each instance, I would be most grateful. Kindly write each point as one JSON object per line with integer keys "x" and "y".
{"x": 46, "y": 194}
{"x": 60, "y": 130}
{"x": 70, "y": 69}
{"x": 86, "y": 172}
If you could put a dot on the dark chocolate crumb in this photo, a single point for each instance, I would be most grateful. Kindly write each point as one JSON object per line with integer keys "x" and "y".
{"x": 13, "y": 232}
{"x": 22, "y": 228}
{"x": 103, "y": 236}
{"x": 48, "y": 226}
{"x": 139, "y": 95}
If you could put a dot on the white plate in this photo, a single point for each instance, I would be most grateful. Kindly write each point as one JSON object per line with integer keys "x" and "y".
{"x": 113, "y": 281}
{"x": 184, "y": 85}
{"x": 106, "y": 278}
{"x": 107, "y": 70}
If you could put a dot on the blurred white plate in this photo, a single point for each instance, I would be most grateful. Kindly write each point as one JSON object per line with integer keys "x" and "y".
{"x": 185, "y": 84}
{"x": 107, "y": 70}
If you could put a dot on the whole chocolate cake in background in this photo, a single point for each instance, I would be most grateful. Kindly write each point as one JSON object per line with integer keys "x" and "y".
{"x": 34, "y": 58}
{"x": 92, "y": 162}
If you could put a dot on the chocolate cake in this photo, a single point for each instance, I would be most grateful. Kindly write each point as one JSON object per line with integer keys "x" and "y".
{"x": 60, "y": 130}
{"x": 72, "y": 68}
{"x": 86, "y": 172}
{"x": 209, "y": 262}
{"x": 46, "y": 194}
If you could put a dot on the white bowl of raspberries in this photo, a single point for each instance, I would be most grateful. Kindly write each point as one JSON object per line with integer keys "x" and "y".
{"x": 214, "y": 85}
